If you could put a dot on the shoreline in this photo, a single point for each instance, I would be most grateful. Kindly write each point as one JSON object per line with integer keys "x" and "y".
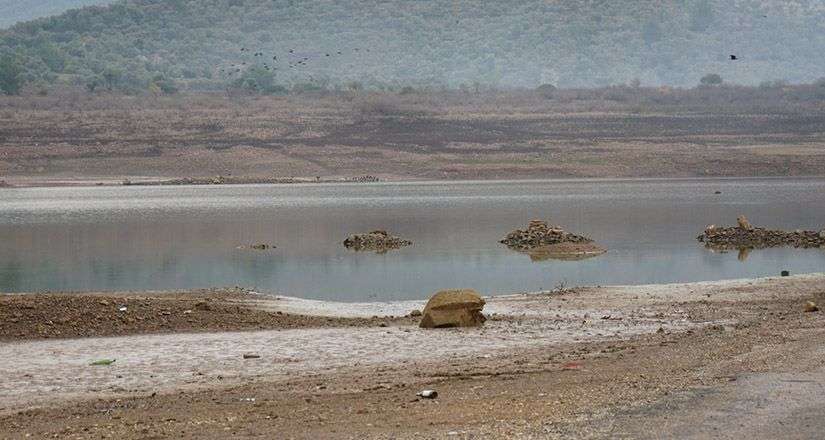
{"x": 18, "y": 182}
{"x": 570, "y": 354}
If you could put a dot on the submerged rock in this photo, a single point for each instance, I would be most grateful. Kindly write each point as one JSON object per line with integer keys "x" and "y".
{"x": 543, "y": 242}
{"x": 566, "y": 252}
{"x": 746, "y": 236}
{"x": 454, "y": 308}
{"x": 375, "y": 241}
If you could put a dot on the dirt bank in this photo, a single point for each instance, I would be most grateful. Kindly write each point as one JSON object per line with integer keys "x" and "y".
{"x": 106, "y": 138}
{"x": 65, "y": 316}
{"x": 582, "y": 363}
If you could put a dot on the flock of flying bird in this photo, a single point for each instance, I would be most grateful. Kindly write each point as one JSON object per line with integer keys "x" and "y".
{"x": 293, "y": 59}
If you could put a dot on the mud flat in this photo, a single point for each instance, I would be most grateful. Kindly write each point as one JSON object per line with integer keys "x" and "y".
{"x": 591, "y": 362}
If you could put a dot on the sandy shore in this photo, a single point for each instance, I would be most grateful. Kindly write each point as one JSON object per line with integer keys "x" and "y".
{"x": 599, "y": 362}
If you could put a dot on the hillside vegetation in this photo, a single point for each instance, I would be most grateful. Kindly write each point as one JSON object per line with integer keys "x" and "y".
{"x": 13, "y": 11}
{"x": 166, "y": 45}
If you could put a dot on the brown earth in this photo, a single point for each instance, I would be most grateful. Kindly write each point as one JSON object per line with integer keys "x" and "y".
{"x": 747, "y": 338}
{"x": 105, "y": 139}
{"x": 50, "y": 316}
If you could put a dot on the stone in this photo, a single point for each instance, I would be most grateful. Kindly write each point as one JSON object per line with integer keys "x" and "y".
{"x": 415, "y": 313}
{"x": 428, "y": 394}
{"x": 453, "y": 308}
{"x": 811, "y": 307}
{"x": 744, "y": 223}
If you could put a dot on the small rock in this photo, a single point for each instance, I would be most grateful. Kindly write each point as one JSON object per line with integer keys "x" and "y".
{"x": 203, "y": 306}
{"x": 785, "y": 273}
{"x": 428, "y": 394}
{"x": 251, "y": 356}
{"x": 811, "y": 307}
{"x": 415, "y": 313}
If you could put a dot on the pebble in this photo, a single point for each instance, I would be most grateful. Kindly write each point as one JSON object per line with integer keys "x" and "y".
{"x": 428, "y": 394}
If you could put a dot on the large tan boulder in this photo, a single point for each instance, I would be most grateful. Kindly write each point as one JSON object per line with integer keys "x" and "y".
{"x": 453, "y": 308}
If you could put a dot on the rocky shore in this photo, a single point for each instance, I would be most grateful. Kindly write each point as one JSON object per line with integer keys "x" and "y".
{"x": 542, "y": 241}
{"x": 375, "y": 241}
{"x": 746, "y": 236}
{"x": 230, "y": 180}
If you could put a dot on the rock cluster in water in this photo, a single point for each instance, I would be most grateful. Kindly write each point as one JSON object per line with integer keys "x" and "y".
{"x": 538, "y": 234}
{"x": 376, "y": 241}
{"x": 746, "y": 236}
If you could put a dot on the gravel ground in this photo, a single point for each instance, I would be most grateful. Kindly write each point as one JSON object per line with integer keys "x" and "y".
{"x": 689, "y": 360}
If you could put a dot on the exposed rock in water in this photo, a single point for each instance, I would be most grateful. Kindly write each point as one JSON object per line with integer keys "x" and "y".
{"x": 543, "y": 242}
{"x": 453, "y": 308}
{"x": 746, "y": 236}
{"x": 375, "y": 241}
{"x": 261, "y": 246}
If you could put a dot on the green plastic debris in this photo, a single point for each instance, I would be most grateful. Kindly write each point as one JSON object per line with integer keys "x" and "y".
{"x": 103, "y": 362}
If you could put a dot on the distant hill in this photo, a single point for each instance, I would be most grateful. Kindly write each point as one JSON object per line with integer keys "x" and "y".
{"x": 13, "y": 11}
{"x": 209, "y": 44}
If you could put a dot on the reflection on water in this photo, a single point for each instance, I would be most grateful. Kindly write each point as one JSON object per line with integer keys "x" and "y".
{"x": 137, "y": 238}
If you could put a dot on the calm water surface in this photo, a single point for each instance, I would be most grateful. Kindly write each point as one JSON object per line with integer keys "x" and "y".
{"x": 141, "y": 238}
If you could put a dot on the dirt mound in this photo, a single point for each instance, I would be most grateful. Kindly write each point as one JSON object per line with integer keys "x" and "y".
{"x": 375, "y": 241}
{"x": 745, "y": 236}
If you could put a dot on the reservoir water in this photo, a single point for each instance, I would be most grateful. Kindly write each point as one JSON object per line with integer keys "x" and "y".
{"x": 176, "y": 237}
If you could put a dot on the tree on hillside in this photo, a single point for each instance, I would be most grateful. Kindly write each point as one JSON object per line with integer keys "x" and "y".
{"x": 11, "y": 79}
{"x": 259, "y": 80}
{"x": 546, "y": 90}
{"x": 161, "y": 84}
{"x": 111, "y": 77}
{"x": 711, "y": 79}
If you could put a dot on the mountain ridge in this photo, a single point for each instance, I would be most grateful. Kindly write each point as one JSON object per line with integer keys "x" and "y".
{"x": 441, "y": 43}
